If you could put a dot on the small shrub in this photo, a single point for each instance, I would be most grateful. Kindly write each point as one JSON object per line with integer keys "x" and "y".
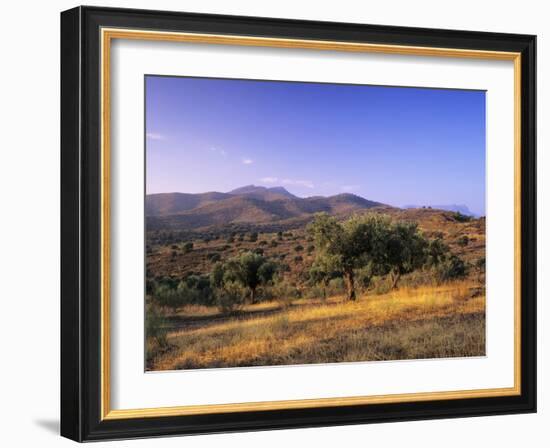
{"x": 316, "y": 291}
{"x": 298, "y": 248}
{"x": 480, "y": 268}
{"x": 336, "y": 286}
{"x": 381, "y": 286}
{"x": 274, "y": 243}
{"x": 214, "y": 257}
{"x": 155, "y": 329}
{"x": 230, "y": 297}
{"x": 459, "y": 217}
{"x": 480, "y": 264}
{"x": 284, "y": 267}
{"x": 298, "y": 259}
{"x": 285, "y": 293}
{"x": 463, "y": 241}
{"x": 452, "y": 268}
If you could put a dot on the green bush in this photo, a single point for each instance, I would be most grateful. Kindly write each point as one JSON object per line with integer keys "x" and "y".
{"x": 285, "y": 293}
{"x": 284, "y": 267}
{"x": 196, "y": 290}
{"x": 167, "y": 297}
{"x": 463, "y": 241}
{"x": 230, "y": 297}
{"x": 381, "y": 285}
{"x": 479, "y": 266}
{"x": 459, "y": 217}
{"x": 336, "y": 286}
{"x": 214, "y": 257}
{"x": 452, "y": 268}
{"x": 155, "y": 327}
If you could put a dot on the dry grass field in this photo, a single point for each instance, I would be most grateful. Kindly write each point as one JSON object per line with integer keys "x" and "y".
{"x": 409, "y": 323}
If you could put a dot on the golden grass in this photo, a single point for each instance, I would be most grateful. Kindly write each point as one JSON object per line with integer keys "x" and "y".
{"x": 424, "y": 322}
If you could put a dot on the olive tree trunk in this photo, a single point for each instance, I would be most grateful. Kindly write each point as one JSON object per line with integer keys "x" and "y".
{"x": 350, "y": 284}
{"x": 394, "y": 277}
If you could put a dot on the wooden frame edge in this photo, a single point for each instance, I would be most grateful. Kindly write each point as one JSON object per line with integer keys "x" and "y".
{"x": 107, "y": 34}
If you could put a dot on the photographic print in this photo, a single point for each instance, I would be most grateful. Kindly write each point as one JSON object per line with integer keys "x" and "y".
{"x": 302, "y": 223}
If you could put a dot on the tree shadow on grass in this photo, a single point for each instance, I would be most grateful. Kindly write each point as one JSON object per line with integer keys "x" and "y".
{"x": 192, "y": 322}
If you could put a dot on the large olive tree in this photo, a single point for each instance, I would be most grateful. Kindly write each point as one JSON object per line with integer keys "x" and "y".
{"x": 351, "y": 244}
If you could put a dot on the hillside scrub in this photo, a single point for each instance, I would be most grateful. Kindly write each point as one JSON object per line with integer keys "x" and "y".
{"x": 355, "y": 250}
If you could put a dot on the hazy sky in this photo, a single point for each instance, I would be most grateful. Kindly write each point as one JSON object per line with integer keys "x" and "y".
{"x": 390, "y": 144}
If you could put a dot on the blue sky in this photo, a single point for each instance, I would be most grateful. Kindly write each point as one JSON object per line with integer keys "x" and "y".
{"x": 395, "y": 145}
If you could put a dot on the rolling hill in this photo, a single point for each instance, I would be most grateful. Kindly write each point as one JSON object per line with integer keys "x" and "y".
{"x": 164, "y": 204}
{"x": 246, "y": 205}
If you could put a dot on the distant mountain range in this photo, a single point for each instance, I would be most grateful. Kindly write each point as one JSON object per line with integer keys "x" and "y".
{"x": 249, "y": 204}
{"x": 449, "y": 207}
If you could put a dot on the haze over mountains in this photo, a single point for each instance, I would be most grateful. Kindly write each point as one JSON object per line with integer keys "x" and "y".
{"x": 249, "y": 204}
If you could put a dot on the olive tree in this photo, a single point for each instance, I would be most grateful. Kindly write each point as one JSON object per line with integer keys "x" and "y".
{"x": 351, "y": 244}
{"x": 251, "y": 270}
{"x": 404, "y": 250}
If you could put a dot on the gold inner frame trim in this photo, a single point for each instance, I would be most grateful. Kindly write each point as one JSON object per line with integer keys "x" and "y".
{"x": 107, "y": 35}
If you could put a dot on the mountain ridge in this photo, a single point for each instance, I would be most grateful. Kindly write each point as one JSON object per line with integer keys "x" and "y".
{"x": 248, "y": 204}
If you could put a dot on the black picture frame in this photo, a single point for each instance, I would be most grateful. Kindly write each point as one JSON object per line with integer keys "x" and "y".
{"x": 81, "y": 224}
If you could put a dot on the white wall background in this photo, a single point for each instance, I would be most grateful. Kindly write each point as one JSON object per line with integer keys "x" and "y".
{"x": 29, "y": 228}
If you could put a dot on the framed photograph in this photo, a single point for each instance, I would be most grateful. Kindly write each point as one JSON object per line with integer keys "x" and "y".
{"x": 273, "y": 223}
